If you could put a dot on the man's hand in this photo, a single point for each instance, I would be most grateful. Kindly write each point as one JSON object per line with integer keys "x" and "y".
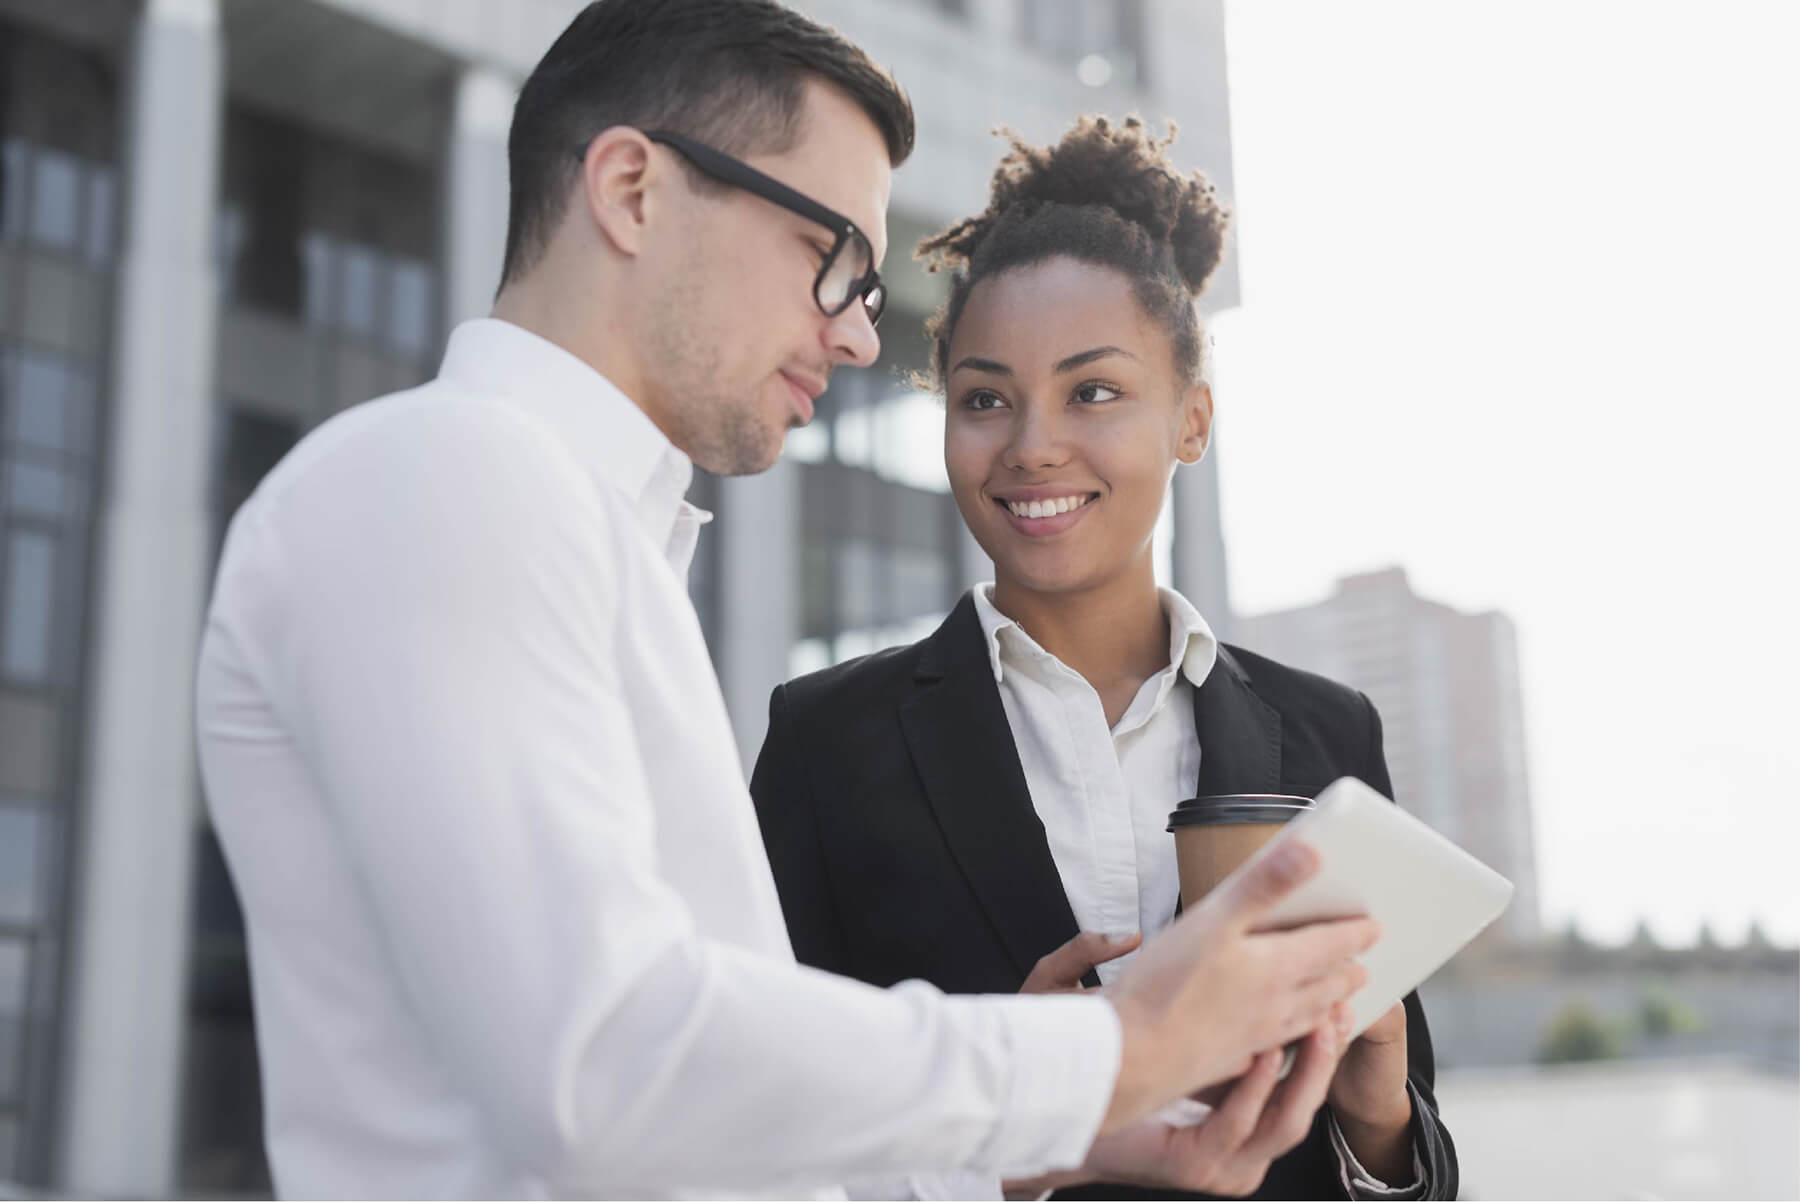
{"x": 1370, "y": 1100}
{"x": 1202, "y": 999}
{"x": 1230, "y": 1151}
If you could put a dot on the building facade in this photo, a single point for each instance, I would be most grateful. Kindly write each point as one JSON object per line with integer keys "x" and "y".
{"x": 223, "y": 221}
{"x": 1447, "y": 686}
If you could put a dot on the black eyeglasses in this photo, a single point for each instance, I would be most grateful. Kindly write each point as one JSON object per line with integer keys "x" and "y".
{"x": 848, "y": 272}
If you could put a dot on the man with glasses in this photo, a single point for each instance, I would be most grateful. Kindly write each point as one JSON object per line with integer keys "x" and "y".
{"x": 511, "y": 927}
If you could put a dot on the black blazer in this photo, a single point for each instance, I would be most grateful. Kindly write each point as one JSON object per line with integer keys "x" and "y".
{"x": 904, "y": 842}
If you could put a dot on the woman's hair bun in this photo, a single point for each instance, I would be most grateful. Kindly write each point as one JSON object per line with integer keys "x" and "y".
{"x": 1100, "y": 164}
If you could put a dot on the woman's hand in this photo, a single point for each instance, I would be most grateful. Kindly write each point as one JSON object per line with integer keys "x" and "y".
{"x": 1061, "y": 971}
{"x": 1371, "y": 1102}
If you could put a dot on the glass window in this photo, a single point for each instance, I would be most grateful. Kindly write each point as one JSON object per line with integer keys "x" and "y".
{"x": 810, "y": 443}
{"x": 908, "y": 440}
{"x": 919, "y": 583}
{"x": 103, "y": 191}
{"x": 13, "y": 159}
{"x": 13, "y": 963}
{"x": 808, "y": 655}
{"x": 54, "y": 405}
{"x": 818, "y": 607}
{"x": 56, "y": 200}
{"x": 9, "y": 1148}
{"x": 409, "y": 329}
{"x": 859, "y": 583}
{"x": 26, "y": 608}
{"x": 316, "y": 254}
{"x": 361, "y": 269}
{"x": 254, "y": 443}
{"x": 22, "y": 831}
{"x": 30, "y": 742}
{"x": 38, "y": 490}
{"x": 80, "y": 404}
{"x": 40, "y": 405}
{"x": 853, "y": 435}
{"x": 228, "y": 248}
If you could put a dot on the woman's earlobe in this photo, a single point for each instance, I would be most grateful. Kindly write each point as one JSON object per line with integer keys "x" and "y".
{"x": 1197, "y": 423}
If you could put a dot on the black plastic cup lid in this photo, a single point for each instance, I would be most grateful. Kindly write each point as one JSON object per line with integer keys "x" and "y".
{"x": 1237, "y": 809}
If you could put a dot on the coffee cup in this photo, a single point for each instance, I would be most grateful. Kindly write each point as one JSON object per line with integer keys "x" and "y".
{"x": 1213, "y": 835}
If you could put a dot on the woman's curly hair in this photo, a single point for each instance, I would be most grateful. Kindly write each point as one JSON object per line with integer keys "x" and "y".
{"x": 1106, "y": 194}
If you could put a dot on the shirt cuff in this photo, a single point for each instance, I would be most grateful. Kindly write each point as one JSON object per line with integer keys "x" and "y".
{"x": 1358, "y": 1182}
{"x": 1064, "y": 1054}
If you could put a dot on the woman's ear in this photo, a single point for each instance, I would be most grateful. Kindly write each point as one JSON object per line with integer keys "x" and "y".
{"x": 1196, "y": 423}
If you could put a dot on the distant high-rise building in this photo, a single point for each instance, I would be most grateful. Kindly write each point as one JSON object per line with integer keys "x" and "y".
{"x": 1447, "y": 686}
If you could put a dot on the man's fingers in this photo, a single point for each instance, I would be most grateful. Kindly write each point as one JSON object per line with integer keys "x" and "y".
{"x": 1288, "y": 1117}
{"x": 1312, "y": 1002}
{"x": 1322, "y": 947}
{"x": 1236, "y": 1117}
{"x": 1248, "y": 897}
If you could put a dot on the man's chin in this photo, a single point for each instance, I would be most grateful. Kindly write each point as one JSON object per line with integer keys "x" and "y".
{"x": 744, "y": 457}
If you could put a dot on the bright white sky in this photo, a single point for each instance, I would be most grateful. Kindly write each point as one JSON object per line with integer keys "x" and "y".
{"x": 1522, "y": 313}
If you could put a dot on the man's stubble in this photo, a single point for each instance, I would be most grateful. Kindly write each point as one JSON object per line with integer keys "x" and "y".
{"x": 719, "y": 423}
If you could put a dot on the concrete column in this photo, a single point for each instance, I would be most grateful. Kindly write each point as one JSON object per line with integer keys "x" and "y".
{"x": 129, "y": 945}
{"x": 1198, "y": 556}
{"x": 759, "y": 594}
{"x": 475, "y": 193}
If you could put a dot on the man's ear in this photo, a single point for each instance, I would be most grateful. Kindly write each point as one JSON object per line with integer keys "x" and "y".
{"x": 617, "y": 174}
{"x": 1196, "y": 423}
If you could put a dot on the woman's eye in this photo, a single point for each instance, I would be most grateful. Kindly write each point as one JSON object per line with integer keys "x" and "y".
{"x": 982, "y": 400}
{"x": 1090, "y": 393}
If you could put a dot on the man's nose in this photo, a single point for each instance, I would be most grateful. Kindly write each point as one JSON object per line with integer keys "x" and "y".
{"x": 852, "y": 338}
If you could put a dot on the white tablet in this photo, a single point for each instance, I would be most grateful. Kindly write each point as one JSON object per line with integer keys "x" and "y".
{"x": 1430, "y": 896}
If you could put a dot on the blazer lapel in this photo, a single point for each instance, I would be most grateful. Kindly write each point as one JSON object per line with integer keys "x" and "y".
{"x": 1240, "y": 734}
{"x": 957, "y": 733}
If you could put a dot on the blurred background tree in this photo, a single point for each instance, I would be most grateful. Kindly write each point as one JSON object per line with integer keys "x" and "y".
{"x": 1578, "y": 1033}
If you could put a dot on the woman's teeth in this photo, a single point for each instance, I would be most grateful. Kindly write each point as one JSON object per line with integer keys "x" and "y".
{"x": 1046, "y": 509}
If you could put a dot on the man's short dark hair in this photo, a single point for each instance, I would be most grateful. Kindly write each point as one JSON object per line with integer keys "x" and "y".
{"x": 730, "y": 73}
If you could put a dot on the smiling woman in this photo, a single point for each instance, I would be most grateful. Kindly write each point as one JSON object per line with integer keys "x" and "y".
{"x": 1003, "y": 784}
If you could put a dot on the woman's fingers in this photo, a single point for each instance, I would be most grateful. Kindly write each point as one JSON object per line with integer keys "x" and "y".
{"x": 1061, "y": 971}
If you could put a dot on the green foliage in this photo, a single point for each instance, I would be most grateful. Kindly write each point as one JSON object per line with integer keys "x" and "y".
{"x": 1661, "y": 1014}
{"x": 1576, "y": 1034}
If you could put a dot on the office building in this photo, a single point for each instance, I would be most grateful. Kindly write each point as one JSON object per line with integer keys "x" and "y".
{"x": 223, "y": 221}
{"x": 1447, "y": 686}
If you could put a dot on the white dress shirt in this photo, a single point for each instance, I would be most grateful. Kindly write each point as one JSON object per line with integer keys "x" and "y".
{"x": 512, "y": 932}
{"x": 1104, "y": 794}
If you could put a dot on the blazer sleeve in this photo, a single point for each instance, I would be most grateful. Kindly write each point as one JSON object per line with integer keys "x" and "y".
{"x": 790, "y": 832}
{"x": 1430, "y": 1136}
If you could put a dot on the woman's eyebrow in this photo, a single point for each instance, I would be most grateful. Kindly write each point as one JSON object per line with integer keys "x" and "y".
{"x": 987, "y": 365}
{"x": 1086, "y": 357}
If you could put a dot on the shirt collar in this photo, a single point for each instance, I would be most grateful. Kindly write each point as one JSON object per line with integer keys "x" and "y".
{"x": 1192, "y": 645}
{"x": 609, "y": 435}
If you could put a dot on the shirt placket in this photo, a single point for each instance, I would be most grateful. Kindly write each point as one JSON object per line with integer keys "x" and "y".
{"x": 1114, "y": 853}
